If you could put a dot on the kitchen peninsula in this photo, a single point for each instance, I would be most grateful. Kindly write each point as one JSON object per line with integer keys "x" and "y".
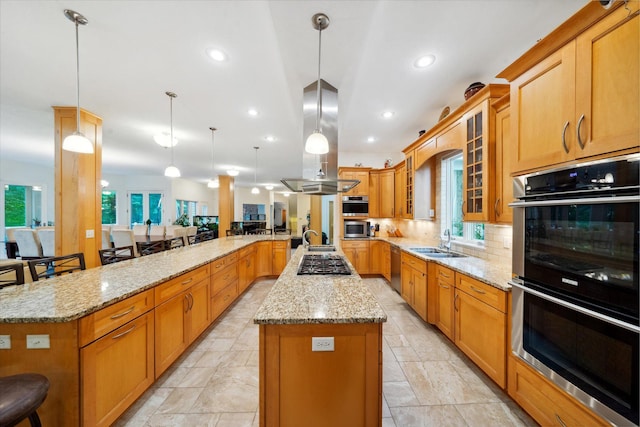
{"x": 320, "y": 351}
{"x": 104, "y": 335}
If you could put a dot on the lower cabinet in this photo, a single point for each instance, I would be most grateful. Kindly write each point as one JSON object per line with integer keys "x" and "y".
{"x": 444, "y": 290}
{"x": 281, "y": 255}
{"x": 413, "y": 276}
{"x": 380, "y": 258}
{"x": 481, "y": 326}
{"x": 545, "y": 402}
{"x": 264, "y": 258}
{"x": 357, "y": 252}
{"x": 246, "y": 267}
{"x": 224, "y": 285}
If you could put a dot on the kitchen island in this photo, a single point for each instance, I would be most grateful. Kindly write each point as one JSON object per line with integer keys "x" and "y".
{"x": 320, "y": 350}
{"x": 104, "y": 335}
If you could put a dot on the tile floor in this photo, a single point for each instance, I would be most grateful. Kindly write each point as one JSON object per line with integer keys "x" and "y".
{"x": 427, "y": 380}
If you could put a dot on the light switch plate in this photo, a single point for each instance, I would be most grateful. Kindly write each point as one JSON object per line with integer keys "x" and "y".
{"x": 38, "y": 341}
{"x": 322, "y": 344}
{"x": 90, "y": 234}
{"x": 5, "y": 342}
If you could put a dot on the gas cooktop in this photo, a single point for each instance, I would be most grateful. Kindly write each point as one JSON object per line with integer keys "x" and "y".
{"x": 323, "y": 264}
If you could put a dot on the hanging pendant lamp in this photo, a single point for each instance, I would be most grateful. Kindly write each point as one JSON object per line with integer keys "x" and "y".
{"x": 255, "y": 189}
{"x": 317, "y": 143}
{"x": 213, "y": 182}
{"x": 77, "y": 142}
{"x": 171, "y": 171}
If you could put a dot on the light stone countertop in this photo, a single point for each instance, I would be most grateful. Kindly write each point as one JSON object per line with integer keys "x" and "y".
{"x": 318, "y": 299}
{"x": 494, "y": 275}
{"x": 69, "y": 297}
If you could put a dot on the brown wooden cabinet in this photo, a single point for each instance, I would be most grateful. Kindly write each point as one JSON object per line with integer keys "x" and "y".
{"x": 409, "y": 187}
{"x": 444, "y": 283}
{"x": 503, "y": 214}
{"x": 182, "y": 313}
{"x": 281, "y": 255}
{"x": 481, "y": 326}
{"x": 264, "y": 258}
{"x": 380, "y": 258}
{"x": 399, "y": 191}
{"x": 387, "y": 193}
{"x": 374, "y": 194}
{"x": 246, "y": 267}
{"x": 578, "y": 101}
{"x": 413, "y": 277}
{"x": 357, "y": 252}
{"x": 224, "y": 284}
{"x": 545, "y": 402}
{"x": 359, "y": 173}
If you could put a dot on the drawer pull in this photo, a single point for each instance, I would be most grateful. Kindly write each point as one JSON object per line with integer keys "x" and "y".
{"x": 560, "y": 420}
{"x": 124, "y": 313}
{"x": 443, "y": 286}
{"x": 444, "y": 275}
{"x": 186, "y": 282}
{"x": 115, "y": 337}
{"x": 480, "y": 291}
{"x": 226, "y": 297}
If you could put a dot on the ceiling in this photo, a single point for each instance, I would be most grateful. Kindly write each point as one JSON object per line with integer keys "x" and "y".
{"x": 132, "y": 52}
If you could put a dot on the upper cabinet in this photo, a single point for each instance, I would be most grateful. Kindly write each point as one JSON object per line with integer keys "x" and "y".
{"x": 503, "y": 183}
{"x": 408, "y": 186}
{"x": 477, "y": 153}
{"x": 575, "y": 94}
{"x": 400, "y": 194}
{"x": 361, "y": 174}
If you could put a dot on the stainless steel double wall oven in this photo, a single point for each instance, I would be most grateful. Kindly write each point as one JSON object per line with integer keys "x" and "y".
{"x": 575, "y": 294}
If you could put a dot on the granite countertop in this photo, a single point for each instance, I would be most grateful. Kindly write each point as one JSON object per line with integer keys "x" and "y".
{"x": 318, "y": 299}
{"x": 69, "y": 297}
{"x": 494, "y": 275}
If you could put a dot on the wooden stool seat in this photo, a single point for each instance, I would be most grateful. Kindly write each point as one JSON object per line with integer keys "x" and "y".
{"x": 21, "y": 396}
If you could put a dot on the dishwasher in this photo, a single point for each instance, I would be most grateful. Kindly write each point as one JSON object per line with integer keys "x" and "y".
{"x": 395, "y": 269}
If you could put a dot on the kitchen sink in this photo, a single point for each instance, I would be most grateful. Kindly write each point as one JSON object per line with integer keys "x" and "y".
{"x": 322, "y": 248}
{"x": 433, "y": 252}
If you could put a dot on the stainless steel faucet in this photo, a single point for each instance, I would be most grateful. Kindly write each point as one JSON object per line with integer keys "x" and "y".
{"x": 305, "y": 240}
{"x": 446, "y": 244}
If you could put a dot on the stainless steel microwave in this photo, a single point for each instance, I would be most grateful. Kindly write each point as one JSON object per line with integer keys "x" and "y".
{"x": 355, "y": 229}
{"x": 355, "y": 206}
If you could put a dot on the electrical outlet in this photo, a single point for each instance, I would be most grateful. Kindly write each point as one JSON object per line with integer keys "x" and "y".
{"x": 38, "y": 341}
{"x": 5, "y": 342}
{"x": 322, "y": 344}
{"x": 506, "y": 242}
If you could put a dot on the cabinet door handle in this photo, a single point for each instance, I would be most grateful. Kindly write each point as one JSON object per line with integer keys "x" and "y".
{"x": 560, "y": 420}
{"x": 186, "y": 282}
{"x": 495, "y": 206}
{"x": 124, "y": 313}
{"x": 480, "y": 291}
{"x": 564, "y": 140}
{"x": 462, "y": 207}
{"x": 115, "y": 337}
{"x": 190, "y": 301}
{"x": 455, "y": 302}
{"x": 580, "y": 120}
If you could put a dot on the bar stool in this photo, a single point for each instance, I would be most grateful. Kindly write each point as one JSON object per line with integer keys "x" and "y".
{"x": 21, "y": 397}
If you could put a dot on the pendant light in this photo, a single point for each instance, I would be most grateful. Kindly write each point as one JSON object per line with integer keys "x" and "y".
{"x": 255, "y": 189}
{"x": 213, "y": 182}
{"x": 77, "y": 142}
{"x": 317, "y": 143}
{"x": 171, "y": 171}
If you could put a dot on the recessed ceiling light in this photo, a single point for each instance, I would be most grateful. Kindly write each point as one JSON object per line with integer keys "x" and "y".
{"x": 233, "y": 172}
{"x": 424, "y": 61}
{"x": 270, "y": 138}
{"x": 216, "y": 55}
{"x": 252, "y": 112}
{"x": 371, "y": 139}
{"x": 269, "y": 187}
{"x": 388, "y": 114}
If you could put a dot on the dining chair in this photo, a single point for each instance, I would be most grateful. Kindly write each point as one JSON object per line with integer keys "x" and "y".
{"x": 234, "y": 233}
{"x": 152, "y": 247}
{"x": 179, "y": 231}
{"x": 174, "y": 242}
{"x": 28, "y": 243}
{"x": 11, "y": 274}
{"x": 45, "y": 268}
{"x": 192, "y": 230}
{"x": 139, "y": 229}
{"x": 282, "y": 231}
{"x": 123, "y": 238}
{"x": 47, "y": 238}
{"x": 158, "y": 230}
{"x": 113, "y": 255}
{"x": 106, "y": 238}
{"x": 22, "y": 394}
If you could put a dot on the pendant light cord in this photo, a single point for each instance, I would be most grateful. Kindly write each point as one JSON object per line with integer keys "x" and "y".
{"x": 255, "y": 171}
{"x": 212, "y": 151}
{"x": 77, "y": 79}
{"x": 318, "y": 83}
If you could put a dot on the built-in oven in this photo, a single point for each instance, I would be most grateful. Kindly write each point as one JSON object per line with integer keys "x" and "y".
{"x": 575, "y": 290}
{"x": 355, "y": 206}
{"x": 357, "y": 229}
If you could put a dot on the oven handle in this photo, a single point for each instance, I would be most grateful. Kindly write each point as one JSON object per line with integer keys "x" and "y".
{"x": 584, "y": 201}
{"x": 579, "y": 309}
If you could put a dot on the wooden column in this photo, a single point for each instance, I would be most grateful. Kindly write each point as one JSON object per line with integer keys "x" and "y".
{"x": 225, "y": 204}
{"x": 78, "y": 194}
{"x": 316, "y": 220}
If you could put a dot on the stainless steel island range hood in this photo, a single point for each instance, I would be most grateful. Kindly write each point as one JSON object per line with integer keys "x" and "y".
{"x": 320, "y": 108}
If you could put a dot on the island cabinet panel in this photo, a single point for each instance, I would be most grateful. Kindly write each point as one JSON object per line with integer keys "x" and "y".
{"x": 546, "y": 403}
{"x": 246, "y": 267}
{"x": 116, "y": 370}
{"x": 301, "y": 387}
{"x": 264, "y": 259}
{"x": 181, "y": 314}
{"x": 224, "y": 285}
{"x": 481, "y": 326}
{"x": 59, "y": 363}
{"x": 281, "y": 256}
{"x": 445, "y": 293}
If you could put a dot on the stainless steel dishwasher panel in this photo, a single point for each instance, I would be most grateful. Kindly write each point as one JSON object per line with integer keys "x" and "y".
{"x": 395, "y": 269}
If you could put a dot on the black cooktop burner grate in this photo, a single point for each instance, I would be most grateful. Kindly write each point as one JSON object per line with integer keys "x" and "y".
{"x": 323, "y": 264}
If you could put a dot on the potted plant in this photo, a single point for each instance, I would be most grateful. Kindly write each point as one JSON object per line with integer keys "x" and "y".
{"x": 182, "y": 220}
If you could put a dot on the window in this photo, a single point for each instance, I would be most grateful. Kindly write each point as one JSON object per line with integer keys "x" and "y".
{"x": 109, "y": 214}
{"x": 186, "y": 207}
{"x": 22, "y": 206}
{"x": 451, "y": 201}
{"x": 145, "y": 205}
